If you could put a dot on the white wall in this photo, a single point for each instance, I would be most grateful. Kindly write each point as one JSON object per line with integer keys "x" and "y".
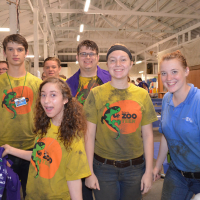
{"x": 73, "y": 68}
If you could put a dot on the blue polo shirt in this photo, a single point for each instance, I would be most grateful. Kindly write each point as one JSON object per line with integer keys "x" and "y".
{"x": 181, "y": 127}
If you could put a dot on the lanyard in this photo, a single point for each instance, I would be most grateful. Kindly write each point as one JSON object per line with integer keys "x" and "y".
{"x": 23, "y": 85}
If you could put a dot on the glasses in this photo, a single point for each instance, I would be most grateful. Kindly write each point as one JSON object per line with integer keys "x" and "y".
{"x": 3, "y": 69}
{"x": 84, "y": 54}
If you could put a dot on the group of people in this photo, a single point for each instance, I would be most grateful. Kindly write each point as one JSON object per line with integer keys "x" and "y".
{"x": 93, "y": 131}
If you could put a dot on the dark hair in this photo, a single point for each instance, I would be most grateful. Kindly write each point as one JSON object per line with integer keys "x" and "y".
{"x": 175, "y": 55}
{"x": 4, "y": 62}
{"x": 73, "y": 123}
{"x": 89, "y": 45}
{"x": 53, "y": 59}
{"x": 62, "y": 76}
{"x": 118, "y": 46}
{"x": 133, "y": 81}
{"x": 17, "y": 38}
{"x": 139, "y": 79}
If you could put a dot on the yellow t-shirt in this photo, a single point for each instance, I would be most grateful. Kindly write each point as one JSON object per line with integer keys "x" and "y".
{"x": 85, "y": 85}
{"x": 17, "y": 122}
{"x": 119, "y": 115}
{"x": 50, "y": 171}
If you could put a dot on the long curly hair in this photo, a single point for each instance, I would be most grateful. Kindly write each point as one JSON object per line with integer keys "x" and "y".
{"x": 73, "y": 123}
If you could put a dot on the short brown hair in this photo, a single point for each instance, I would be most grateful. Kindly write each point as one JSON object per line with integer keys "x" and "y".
{"x": 17, "y": 38}
{"x": 4, "y": 62}
{"x": 53, "y": 59}
{"x": 89, "y": 45}
{"x": 175, "y": 55}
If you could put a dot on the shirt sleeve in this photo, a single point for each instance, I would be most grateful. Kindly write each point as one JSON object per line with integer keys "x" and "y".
{"x": 90, "y": 108}
{"x": 149, "y": 114}
{"x": 77, "y": 166}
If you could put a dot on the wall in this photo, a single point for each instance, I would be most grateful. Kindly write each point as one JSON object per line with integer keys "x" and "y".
{"x": 73, "y": 67}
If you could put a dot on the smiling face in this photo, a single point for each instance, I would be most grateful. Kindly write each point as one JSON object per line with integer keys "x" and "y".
{"x": 87, "y": 63}
{"x": 3, "y": 68}
{"x": 15, "y": 54}
{"x": 119, "y": 65}
{"x": 51, "y": 68}
{"x": 173, "y": 75}
{"x": 52, "y": 102}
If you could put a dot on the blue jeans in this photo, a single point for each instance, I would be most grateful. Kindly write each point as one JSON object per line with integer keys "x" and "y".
{"x": 177, "y": 187}
{"x": 118, "y": 183}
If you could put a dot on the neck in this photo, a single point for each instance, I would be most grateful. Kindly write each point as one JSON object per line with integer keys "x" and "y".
{"x": 16, "y": 71}
{"x": 88, "y": 72}
{"x": 180, "y": 96}
{"x": 120, "y": 84}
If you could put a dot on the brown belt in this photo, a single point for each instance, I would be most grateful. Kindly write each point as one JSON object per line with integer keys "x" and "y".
{"x": 122, "y": 163}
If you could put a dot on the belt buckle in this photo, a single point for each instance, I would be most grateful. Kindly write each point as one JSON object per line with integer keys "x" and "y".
{"x": 115, "y": 162}
{"x": 182, "y": 173}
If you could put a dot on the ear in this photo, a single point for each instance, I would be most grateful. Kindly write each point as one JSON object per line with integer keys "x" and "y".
{"x": 65, "y": 101}
{"x": 27, "y": 52}
{"x": 4, "y": 53}
{"x": 98, "y": 57}
{"x": 187, "y": 71}
{"x": 59, "y": 69}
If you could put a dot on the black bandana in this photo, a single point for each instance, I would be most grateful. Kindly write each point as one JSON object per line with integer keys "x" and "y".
{"x": 118, "y": 47}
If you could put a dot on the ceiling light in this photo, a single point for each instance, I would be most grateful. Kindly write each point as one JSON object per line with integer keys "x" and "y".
{"x": 81, "y": 27}
{"x": 87, "y": 4}
{"x": 31, "y": 56}
{"x": 138, "y": 62}
{"x": 78, "y": 37}
{"x": 4, "y": 29}
{"x": 141, "y": 72}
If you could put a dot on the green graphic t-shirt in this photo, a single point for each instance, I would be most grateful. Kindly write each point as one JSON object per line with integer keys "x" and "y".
{"x": 52, "y": 166}
{"x": 17, "y": 122}
{"x": 85, "y": 85}
{"x": 119, "y": 115}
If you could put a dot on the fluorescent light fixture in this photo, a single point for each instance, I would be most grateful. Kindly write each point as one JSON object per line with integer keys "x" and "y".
{"x": 4, "y": 29}
{"x": 138, "y": 62}
{"x": 81, "y": 28}
{"x": 141, "y": 72}
{"x": 78, "y": 37}
{"x": 31, "y": 56}
{"x": 87, "y": 4}
{"x": 77, "y": 62}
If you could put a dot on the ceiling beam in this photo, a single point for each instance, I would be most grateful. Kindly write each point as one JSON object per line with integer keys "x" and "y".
{"x": 119, "y": 12}
{"x": 106, "y": 40}
{"x": 115, "y": 29}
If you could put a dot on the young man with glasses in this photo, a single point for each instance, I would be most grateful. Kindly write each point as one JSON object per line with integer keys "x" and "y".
{"x": 87, "y": 77}
{"x": 90, "y": 74}
{"x": 3, "y": 67}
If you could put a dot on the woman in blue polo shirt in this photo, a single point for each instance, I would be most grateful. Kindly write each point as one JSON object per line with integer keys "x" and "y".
{"x": 180, "y": 125}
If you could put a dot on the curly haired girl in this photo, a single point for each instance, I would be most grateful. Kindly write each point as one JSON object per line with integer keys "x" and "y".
{"x": 58, "y": 155}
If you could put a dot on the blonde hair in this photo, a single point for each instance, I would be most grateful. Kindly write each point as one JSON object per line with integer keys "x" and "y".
{"x": 175, "y": 55}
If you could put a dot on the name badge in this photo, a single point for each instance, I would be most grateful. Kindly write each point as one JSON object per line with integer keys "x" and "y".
{"x": 20, "y": 102}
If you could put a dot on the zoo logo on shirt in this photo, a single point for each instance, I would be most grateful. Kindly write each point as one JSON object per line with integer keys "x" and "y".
{"x": 10, "y": 95}
{"x": 122, "y": 117}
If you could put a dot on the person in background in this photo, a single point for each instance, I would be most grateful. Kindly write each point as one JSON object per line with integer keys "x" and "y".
{"x": 119, "y": 133}
{"x": 90, "y": 74}
{"x": 58, "y": 159}
{"x": 52, "y": 67}
{"x": 18, "y": 95}
{"x": 180, "y": 126}
{"x": 3, "y": 67}
{"x": 43, "y": 76}
{"x": 142, "y": 84}
{"x": 132, "y": 81}
{"x": 87, "y": 77}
